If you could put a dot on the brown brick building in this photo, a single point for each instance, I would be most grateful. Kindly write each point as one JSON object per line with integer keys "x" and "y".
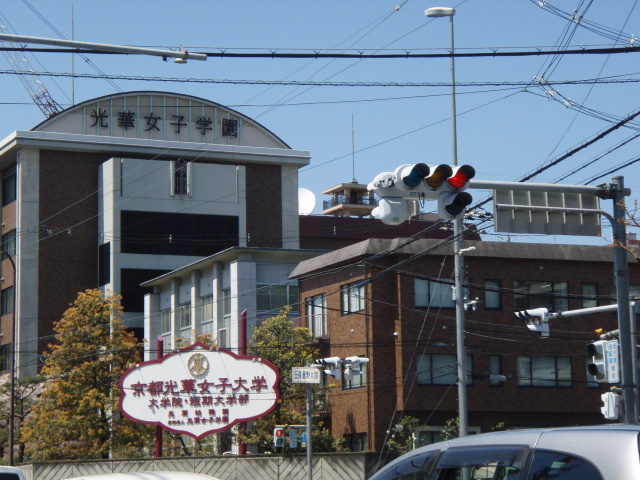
{"x": 393, "y": 304}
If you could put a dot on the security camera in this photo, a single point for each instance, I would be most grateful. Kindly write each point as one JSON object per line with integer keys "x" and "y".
{"x": 395, "y": 334}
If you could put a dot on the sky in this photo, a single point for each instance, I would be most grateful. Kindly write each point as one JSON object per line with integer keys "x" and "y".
{"x": 368, "y": 116}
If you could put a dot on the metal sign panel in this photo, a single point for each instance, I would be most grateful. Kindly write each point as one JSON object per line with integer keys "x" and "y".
{"x": 198, "y": 391}
{"x": 612, "y": 361}
{"x": 305, "y": 375}
{"x": 548, "y": 213}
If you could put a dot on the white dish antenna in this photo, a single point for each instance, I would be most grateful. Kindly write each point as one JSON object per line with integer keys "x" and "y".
{"x": 306, "y": 201}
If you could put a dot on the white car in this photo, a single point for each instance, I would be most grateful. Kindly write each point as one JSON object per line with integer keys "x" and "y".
{"x": 11, "y": 473}
{"x": 606, "y": 452}
{"x": 146, "y": 476}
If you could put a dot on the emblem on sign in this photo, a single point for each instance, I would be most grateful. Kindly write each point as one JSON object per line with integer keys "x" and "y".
{"x": 198, "y": 365}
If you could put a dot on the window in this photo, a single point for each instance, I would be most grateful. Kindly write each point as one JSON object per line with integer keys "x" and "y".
{"x": 180, "y": 171}
{"x": 276, "y": 297}
{"x": 495, "y": 370}
{"x": 223, "y": 329}
{"x": 441, "y": 369}
{"x": 562, "y": 466}
{"x": 9, "y": 244}
{"x": 5, "y": 357}
{"x": 355, "y": 442}
{"x": 207, "y": 308}
{"x": 533, "y": 294}
{"x": 317, "y": 315}
{"x": 589, "y": 295}
{"x": 358, "y": 378}
{"x": 7, "y": 301}
{"x": 492, "y": 296}
{"x": 352, "y": 298}
{"x": 165, "y": 321}
{"x": 9, "y": 190}
{"x": 433, "y": 294}
{"x": 544, "y": 371}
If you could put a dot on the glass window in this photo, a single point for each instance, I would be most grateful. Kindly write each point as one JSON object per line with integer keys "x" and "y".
{"x": 7, "y": 301}
{"x": 207, "y": 308}
{"x": 276, "y": 297}
{"x": 589, "y": 295}
{"x": 429, "y": 293}
{"x": 5, "y": 356}
{"x": 441, "y": 369}
{"x": 9, "y": 190}
{"x": 504, "y": 462}
{"x": 9, "y": 244}
{"x": 495, "y": 370}
{"x": 562, "y": 466}
{"x": 165, "y": 321}
{"x": 180, "y": 177}
{"x": 356, "y": 442}
{"x": 352, "y": 298}
{"x": 412, "y": 467}
{"x": 317, "y": 315}
{"x": 185, "y": 315}
{"x": 534, "y": 294}
{"x": 358, "y": 378}
{"x": 226, "y": 301}
{"x": 492, "y": 296}
{"x": 544, "y": 371}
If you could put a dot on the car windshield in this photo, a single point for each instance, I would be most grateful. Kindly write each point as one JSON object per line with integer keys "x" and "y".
{"x": 482, "y": 463}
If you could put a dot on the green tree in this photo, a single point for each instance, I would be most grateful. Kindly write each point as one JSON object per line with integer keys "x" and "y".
{"x": 402, "y": 438}
{"x": 26, "y": 393}
{"x": 287, "y": 346}
{"x": 77, "y": 415}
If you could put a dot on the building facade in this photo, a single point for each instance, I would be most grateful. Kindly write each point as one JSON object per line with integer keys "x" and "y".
{"x": 121, "y": 189}
{"x": 391, "y": 301}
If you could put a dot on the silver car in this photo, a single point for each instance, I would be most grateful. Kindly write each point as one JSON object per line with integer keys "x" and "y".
{"x": 606, "y": 452}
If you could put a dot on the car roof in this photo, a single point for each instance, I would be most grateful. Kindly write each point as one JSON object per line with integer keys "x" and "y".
{"x": 582, "y": 441}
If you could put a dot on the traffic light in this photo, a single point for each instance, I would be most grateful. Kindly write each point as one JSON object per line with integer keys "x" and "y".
{"x": 453, "y": 201}
{"x": 392, "y": 211}
{"x": 278, "y": 437}
{"x": 353, "y": 366}
{"x": 598, "y": 364}
{"x": 611, "y": 408}
{"x": 331, "y": 366}
{"x": 537, "y": 320}
{"x": 604, "y": 364}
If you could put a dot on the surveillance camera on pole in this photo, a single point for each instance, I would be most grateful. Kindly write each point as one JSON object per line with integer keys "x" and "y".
{"x": 537, "y": 320}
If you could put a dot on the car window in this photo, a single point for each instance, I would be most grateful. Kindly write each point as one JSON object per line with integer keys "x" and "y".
{"x": 500, "y": 462}
{"x": 561, "y": 466}
{"x": 416, "y": 467}
{"x": 9, "y": 476}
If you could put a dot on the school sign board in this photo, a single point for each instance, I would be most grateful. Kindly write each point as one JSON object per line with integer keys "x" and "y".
{"x": 199, "y": 390}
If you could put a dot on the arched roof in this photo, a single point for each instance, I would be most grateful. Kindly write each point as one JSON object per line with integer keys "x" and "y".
{"x": 165, "y": 116}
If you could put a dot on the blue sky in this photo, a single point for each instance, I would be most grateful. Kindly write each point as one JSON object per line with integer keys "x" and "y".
{"x": 504, "y": 131}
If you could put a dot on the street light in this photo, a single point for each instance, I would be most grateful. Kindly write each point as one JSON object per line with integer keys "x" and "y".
{"x": 458, "y": 241}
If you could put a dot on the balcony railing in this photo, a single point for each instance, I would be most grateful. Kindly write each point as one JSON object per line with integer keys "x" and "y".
{"x": 347, "y": 200}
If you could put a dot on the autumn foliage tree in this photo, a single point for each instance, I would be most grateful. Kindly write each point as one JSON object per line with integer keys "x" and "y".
{"x": 77, "y": 416}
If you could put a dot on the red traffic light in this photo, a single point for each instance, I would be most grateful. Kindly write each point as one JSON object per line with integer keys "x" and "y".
{"x": 278, "y": 432}
{"x": 461, "y": 177}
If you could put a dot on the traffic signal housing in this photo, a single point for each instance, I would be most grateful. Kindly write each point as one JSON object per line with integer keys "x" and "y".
{"x": 278, "y": 437}
{"x": 537, "y": 320}
{"x": 353, "y": 366}
{"x": 604, "y": 363}
{"x": 331, "y": 366}
{"x": 453, "y": 201}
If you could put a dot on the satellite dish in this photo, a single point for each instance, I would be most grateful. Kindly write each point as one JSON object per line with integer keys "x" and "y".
{"x": 306, "y": 201}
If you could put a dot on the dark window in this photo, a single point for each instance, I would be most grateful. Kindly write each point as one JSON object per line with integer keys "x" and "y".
{"x": 534, "y": 294}
{"x": 156, "y": 233}
{"x": 132, "y": 293}
{"x": 5, "y": 357}
{"x": 9, "y": 190}
{"x": 562, "y": 466}
{"x": 412, "y": 467}
{"x": 505, "y": 462}
{"x": 429, "y": 293}
{"x": 7, "y": 301}
{"x": 492, "y": 296}
{"x": 180, "y": 178}
{"x": 589, "y": 295}
{"x": 356, "y": 442}
{"x": 441, "y": 369}
{"x": 9, "y": 244}
{"x": 544, "y": 371}
{"x": 104, "y": 264}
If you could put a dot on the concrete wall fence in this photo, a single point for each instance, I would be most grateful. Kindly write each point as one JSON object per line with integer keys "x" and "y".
{"x": 342, "y": 466}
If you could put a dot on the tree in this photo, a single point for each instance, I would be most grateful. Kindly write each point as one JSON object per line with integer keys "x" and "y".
{"x": 287, "y": 346}
{"x": 77, "y": 415}
{"x": 402, "y": 438}
{"x": 26, "y": 393}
